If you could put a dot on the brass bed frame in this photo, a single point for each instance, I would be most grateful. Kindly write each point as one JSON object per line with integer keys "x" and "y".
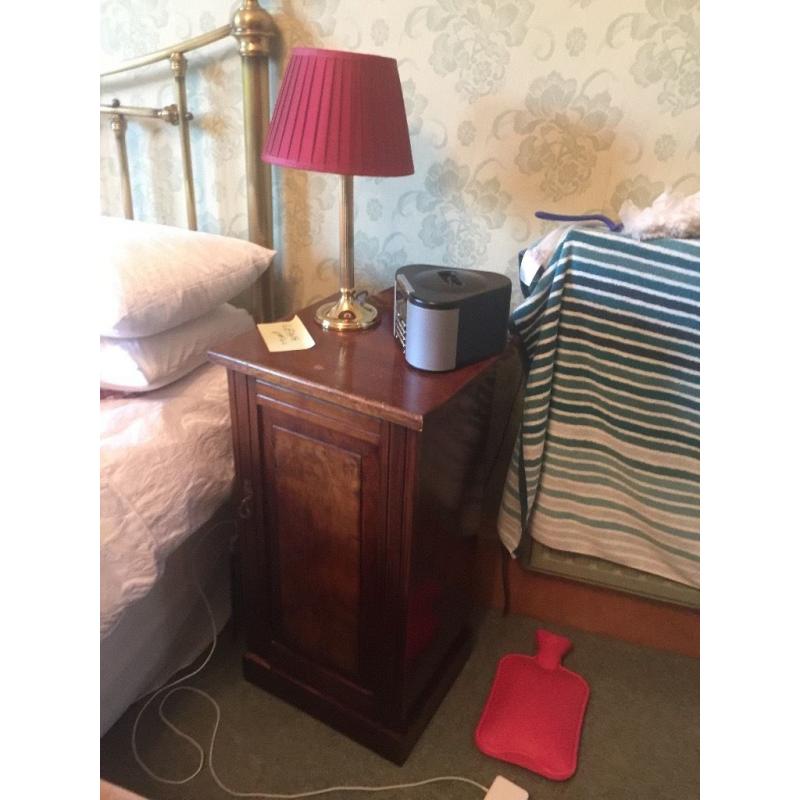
{"x": 253, "y": 28}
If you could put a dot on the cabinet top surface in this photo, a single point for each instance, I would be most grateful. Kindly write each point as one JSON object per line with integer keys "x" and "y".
{"x": 362, "y": 370}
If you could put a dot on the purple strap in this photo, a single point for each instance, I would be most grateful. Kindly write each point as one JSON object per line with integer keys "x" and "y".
{"x": 609, "y": 223}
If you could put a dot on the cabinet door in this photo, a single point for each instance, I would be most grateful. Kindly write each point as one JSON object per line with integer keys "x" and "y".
{"x": 320, "y": 491}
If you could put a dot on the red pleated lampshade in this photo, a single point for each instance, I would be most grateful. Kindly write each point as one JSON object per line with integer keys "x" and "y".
{"x": 340, "y": 112}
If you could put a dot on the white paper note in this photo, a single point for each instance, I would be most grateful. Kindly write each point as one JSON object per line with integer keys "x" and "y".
{"x": 282, "y": 336}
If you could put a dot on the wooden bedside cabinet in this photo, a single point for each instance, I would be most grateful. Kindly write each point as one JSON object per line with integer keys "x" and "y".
{"x": 360, "y": 482}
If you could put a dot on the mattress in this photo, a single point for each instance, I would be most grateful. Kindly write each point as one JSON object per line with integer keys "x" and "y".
{"x": 166, "y": 465}
{"x": 169, "y": 627}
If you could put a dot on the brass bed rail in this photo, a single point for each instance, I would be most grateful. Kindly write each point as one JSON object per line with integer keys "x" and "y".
{"x": 252, "y": 27}
{"x": 186, "y": 46}
{"x": 119, "y": 124}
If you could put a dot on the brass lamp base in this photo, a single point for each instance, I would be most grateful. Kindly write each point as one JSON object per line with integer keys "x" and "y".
{"x": 346, "y": 313}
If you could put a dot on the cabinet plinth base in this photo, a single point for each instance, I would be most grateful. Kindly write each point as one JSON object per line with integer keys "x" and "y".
{"x": 394, "y": 745}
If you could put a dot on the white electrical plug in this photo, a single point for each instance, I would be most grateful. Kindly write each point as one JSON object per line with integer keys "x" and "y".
{"x": 503, "y": 789}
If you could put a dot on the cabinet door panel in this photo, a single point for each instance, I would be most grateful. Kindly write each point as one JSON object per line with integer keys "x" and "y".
{"x": 318, "y": 521}
{"x": 324, "y": 522}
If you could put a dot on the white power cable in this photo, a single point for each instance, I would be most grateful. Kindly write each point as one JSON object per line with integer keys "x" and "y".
{"x": 173, "y": 687}
{"x": 175, "y": 683}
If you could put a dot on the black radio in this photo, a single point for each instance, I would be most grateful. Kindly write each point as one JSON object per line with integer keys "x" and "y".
{"x": 445, "y": 318}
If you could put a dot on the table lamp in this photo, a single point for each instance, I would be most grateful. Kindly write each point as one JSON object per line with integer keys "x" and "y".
{"x": 341, "y": 112}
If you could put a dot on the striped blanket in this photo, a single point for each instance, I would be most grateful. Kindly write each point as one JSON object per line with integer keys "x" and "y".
{"x": 607, "y": 458}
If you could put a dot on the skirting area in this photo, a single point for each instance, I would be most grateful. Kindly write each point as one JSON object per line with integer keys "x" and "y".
{"x": 640, "y": 738}
{"x": 589, "y": 608}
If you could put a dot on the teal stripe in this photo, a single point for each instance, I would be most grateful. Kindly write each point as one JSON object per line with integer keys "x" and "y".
{"x": 591, "y": 470}
{"x": 542, "y": 358}
{"x": 552, "y": 469}
{"x": 615, "y": 528}
{"x": 614, "y": 257}
{"x": 532, "y": 440}
{"x": 648, "y": 418}
{"x": 547, "y": 324}
{"x": 641, "y": 250}
{"x": 579, "y": 367}
{"x": 654, "y": 311}
{"x": 523, "y": 324}
{"x": 622, "y": 435}
{"x": 667, "y": 371}
{"x": 535, "y": 417}
{"x": 541, "y": 294}
{"x": 545, "y": 359}
{"x": 593, "y": 269}
{"x": 597, "y": 463}
{"x": 670, "y": 268}
{"x": 659, "y": 432}
{"x": 610, "y": 505}
{"x": 623, "y": 401}
{"x": 580, "y": 445}
{"x": 577, "y": 354}
{"x": 640, "y": 338}
{"x": 537, "y": 390}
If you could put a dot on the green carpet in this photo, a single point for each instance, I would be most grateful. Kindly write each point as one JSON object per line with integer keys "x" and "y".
{"x": 640, "y": 736}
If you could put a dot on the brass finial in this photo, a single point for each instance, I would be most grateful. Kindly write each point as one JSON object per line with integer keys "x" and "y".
{"x": 253, "y": 26}
{"x": 170, "y": 114}
{"x": 118, "y": 125}
{"x": 177, "y": 62}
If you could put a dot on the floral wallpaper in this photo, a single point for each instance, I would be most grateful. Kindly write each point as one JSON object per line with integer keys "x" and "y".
{"x": 513, "y": 106}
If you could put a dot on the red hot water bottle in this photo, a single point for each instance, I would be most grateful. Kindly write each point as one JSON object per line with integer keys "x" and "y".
{"x": 534, "y": 713}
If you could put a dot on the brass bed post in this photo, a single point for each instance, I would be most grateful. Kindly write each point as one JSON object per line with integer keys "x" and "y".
{"x": 253, "y": 27}
{"x": 118, "y": 126}
{"x": 177, "y": 62}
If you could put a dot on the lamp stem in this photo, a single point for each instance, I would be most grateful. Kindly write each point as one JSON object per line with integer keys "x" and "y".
{"x": 346, "y": 313}
{"x": 347, "y": 275}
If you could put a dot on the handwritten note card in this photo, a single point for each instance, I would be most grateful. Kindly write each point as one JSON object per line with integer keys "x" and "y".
{"x": 282, "y": 336}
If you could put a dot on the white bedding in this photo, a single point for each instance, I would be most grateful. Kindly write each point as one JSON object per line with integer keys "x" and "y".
{"x": 168, "y": 628}
{"x": 166, "y": 465}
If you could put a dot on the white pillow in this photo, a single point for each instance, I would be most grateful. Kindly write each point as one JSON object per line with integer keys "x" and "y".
{"x": 150, "y": 362}
{"x": 155, "y": 277}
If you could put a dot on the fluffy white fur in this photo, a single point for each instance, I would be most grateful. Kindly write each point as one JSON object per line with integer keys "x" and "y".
{"x": 669, "y": 216}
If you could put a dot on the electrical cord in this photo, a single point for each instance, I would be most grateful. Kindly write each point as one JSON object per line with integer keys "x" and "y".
{"x": 172, "y": 684}
{"x": 173, "y": 687}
